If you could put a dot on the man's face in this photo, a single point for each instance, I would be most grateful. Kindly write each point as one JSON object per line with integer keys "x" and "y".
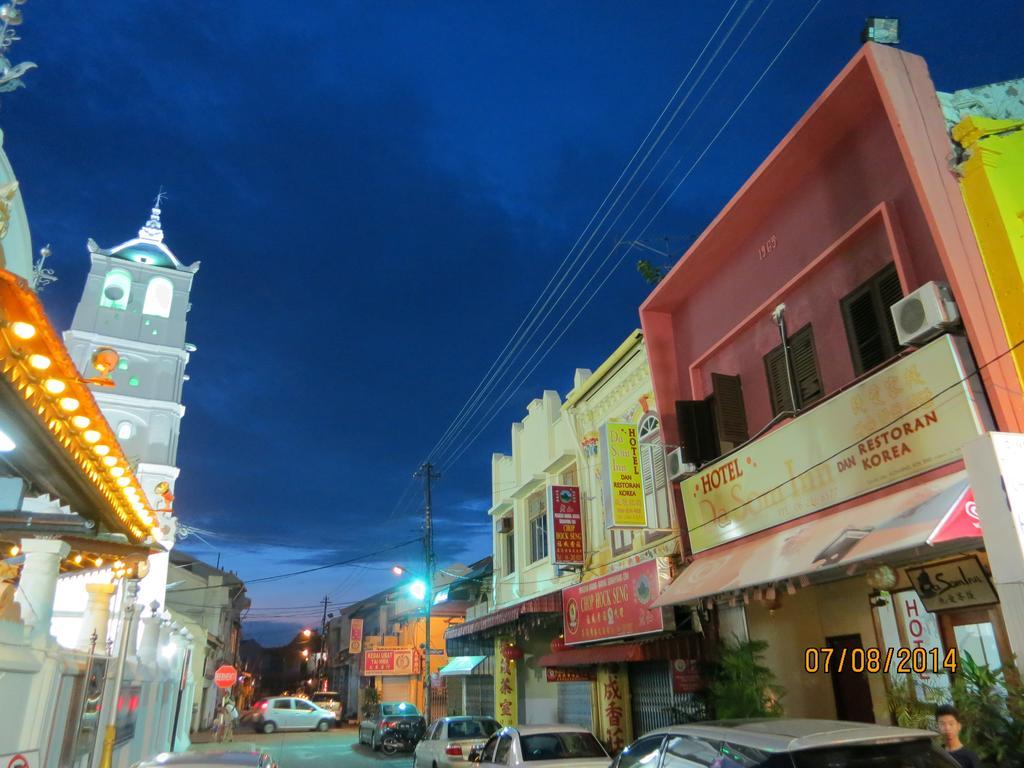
{"x": 949, "y": 727}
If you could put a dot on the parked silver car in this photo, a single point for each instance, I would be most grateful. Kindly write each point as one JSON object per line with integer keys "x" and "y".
{"x": 777, "y": 743}
{"x": 537, "y": 746}
{"x": 449, "y": 740}
{"x": 290, "y": 713}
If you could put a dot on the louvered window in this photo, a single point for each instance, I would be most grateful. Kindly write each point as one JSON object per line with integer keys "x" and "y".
{"x": 806, "y": 377}
{"x": 869, "y": 326}
{"x": 538, "y": 516}
{"x": 730, "y": 414}
{"x": 653, "y": 474}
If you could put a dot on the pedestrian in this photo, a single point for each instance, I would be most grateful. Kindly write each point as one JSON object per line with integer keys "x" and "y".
{"x": 224, "y": 724}
{"x": 948, "y": 718}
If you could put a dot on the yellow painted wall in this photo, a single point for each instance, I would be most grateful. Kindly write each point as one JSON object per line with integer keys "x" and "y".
{"x": 805, "y": 619}
{"x": 992, "y": 184}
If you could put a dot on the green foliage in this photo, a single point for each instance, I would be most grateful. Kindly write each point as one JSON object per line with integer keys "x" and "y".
{"x": 991, "y": 705}
{"x": 371, "y": 698}
{"x": 740, "y": 685}
{"x": 650, "y": 272}
{"x": 907, "y": 708}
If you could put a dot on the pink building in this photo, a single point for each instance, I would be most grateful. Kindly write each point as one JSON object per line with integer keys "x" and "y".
{"x": 808, "y": 522}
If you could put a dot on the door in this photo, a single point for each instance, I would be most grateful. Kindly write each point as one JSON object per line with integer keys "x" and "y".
{"x": 479, "y": 695}
{"x": 281, "y": 713}
{"x": 394, "y": 688}
{"x": 653, "y": 702}
{"x": 978, "y": 632}
{"x": 574, "y": 704}
{"x": 851, "y": 689}
{"x": 306, "y": 715}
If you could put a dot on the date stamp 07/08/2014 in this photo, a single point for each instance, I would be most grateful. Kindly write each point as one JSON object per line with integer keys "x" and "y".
{"x": 902, "y": 660}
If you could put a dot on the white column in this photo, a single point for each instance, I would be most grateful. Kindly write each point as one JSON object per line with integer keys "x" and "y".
{"x": 38, "y": 583}
{"x": 97, "y": 616}
{"x": 150, "y": 646}
{"x": 995, "y": 465}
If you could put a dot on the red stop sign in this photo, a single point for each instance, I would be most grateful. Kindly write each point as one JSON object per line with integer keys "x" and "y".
{"x": 225, "y": 676}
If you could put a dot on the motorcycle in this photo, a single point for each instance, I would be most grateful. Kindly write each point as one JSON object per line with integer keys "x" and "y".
{"x": 400, "y": 737}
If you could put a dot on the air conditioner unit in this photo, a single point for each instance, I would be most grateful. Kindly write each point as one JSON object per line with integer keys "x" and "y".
{"x": 924, "y": 314}
{"x": 678, "y": 467}
{"x": 505, "y": 525}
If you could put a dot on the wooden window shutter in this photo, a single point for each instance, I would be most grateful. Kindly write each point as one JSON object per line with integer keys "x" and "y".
{"x": 869, "y": 325}
{"x": 647, "y": 480}
{"x": 805, "y": 366}
{"x": 889, "y": 292}
{"x": 730, "y": 413}
{"x": 697, "y": 431}
{"x": 778, "y": 381}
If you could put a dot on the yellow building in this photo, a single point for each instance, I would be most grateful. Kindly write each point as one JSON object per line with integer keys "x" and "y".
{"x": 992, "y": 182}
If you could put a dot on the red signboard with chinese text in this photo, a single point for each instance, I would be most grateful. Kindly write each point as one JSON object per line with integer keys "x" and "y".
{"x": 390, "y": 661}
{"x": 686, "y": 676}
{"x": 570, "y": 674}
{"x": 355, "y": 636}
{"x": 566, "y": 514}
{"x": 616, "y": 605}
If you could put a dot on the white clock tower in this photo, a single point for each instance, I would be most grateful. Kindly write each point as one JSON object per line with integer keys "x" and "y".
{"x": 136, "y": 299}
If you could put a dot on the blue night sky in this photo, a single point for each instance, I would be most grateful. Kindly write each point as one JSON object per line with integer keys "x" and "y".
{"x": 378, "y": 193}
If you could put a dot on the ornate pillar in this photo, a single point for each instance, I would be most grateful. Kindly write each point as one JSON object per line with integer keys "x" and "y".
{"x": 38, "y": 583}
{"x": 150, "y": 645}
{"x": 97, "y": 616}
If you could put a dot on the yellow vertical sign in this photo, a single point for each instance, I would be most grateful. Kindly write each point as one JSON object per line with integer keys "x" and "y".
{"x": 506, "y": 702}
{"x": 623, "y": 483}
{"x": 615, "y": 721}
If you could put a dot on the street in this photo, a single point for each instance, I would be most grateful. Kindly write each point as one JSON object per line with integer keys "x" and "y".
{"x": 338, "y": 748}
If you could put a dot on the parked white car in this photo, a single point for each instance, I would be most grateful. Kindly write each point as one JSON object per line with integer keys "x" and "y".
{"x": 537, "y": 746}
{"x": 235, "y": 759}
{"x": 290, "y": 713}
{"x": 448, "y": 741}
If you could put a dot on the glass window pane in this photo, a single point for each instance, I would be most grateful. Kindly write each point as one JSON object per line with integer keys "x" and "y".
{"x": 643, "y": 752}
{"x": 159, "y": 297}
{"x": 687, "y": 751}
{"x": 979, "y": 640}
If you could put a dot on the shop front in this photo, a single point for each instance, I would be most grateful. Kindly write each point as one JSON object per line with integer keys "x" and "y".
{"x": 396, "y": 671}
{"x": 631, "y": 658}
{"x": 851, "y": 533}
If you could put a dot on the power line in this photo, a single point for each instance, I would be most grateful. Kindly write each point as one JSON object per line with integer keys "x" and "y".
{"x": 289, "y": 574}
{"x": 478, "y": 395}
{"x": 541, "y": 350}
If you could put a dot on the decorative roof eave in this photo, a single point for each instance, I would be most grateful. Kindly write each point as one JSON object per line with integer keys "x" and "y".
{"x": 89, "y": 463}
{"x": 117, "y": 250}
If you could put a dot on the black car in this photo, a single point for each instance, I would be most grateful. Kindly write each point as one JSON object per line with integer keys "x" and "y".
{"x": 392, "y": 725}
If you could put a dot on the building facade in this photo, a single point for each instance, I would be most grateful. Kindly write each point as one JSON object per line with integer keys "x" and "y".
{"x": 820, "y": 481}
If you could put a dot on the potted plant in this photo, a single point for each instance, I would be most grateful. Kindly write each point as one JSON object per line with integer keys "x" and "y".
{"x": 741, "y": 686}
{"x": 991, "y": 705}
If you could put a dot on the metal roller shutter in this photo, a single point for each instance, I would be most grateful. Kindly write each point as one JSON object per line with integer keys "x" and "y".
{"x": 479, "y": 695}
{"x": 394, "y": 688}
{"x": 574, "y": 704}
{"x": 654, "y": 705}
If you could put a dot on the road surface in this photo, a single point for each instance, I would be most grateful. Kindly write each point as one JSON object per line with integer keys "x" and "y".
{"x": 337, "y": 748}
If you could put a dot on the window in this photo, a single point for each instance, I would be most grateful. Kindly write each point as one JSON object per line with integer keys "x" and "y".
{"x": 133, "y": 381}
{"x": 159, "y": 297}
{"x": 282, "y": 704}
{"x": 304, "y": 706}
{"x": 571, "y": 476}
{"x": 869, "y": 326}
{"x": 122, "y": 364}
{"x": 560, "y": 746}
{"x": 643, "y": 752}
{"x": 653, "y": 475}
{"x": 538, "y": 516}
{"x": 487, "y": 754}
{"x": 117, "y": 287}
{"x": 688, "y": 751}
{"x": 125, "y": 430}
{"x": 502, "y": 750}
{"x": 508, "y": 544}
{"x": 806, "y": 379}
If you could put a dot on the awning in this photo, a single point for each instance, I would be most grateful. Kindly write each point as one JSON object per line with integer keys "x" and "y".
{"x": 676, "y": 646}
{"x": 899, "y": 522}
{"x": 550, "y": 603}
{"x": 461, "y": 665}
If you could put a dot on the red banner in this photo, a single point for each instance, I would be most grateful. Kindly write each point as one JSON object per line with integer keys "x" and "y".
{"x": 570, "y": 674}
{"x": 566, "y": 515}
{"x": 355, "y": 636}
{"x": 961, "y": 522}
{"x": 686, "y": 676}
{"x": 390, "y": 661}
{"x": 616, "y": 605}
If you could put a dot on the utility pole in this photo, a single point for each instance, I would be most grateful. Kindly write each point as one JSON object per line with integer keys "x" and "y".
{"x": 427, "y": 473}
{"x": 322, "y": 659}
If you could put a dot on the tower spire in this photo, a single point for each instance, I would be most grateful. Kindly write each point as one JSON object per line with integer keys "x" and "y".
{"x": 153, "y": 230}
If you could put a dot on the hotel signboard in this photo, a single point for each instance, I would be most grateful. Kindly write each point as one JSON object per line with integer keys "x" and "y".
{"x": 911, "y": 417}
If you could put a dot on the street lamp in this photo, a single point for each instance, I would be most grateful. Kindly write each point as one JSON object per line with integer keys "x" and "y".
{"x": 307, "y": 633}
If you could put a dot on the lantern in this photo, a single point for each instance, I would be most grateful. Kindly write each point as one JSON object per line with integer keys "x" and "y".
{"x": 512, "y": 652}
